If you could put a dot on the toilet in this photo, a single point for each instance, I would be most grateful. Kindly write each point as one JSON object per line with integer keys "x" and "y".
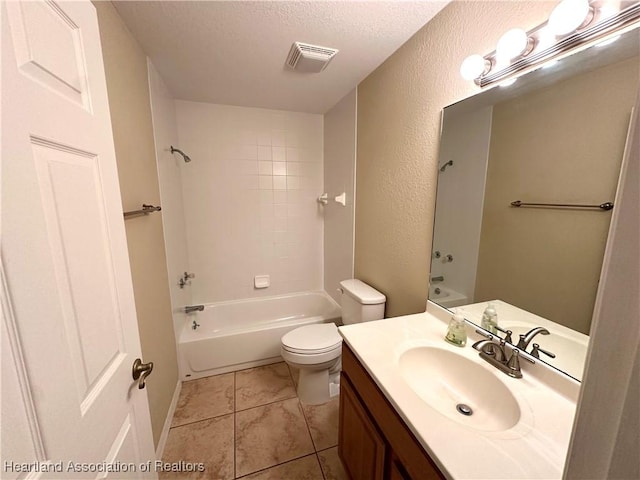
{"x": 316, "y": 349}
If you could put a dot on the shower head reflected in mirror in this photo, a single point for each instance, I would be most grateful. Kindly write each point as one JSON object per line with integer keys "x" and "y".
{"x": 448, "y": 164}
{"x": 184, "y": 155}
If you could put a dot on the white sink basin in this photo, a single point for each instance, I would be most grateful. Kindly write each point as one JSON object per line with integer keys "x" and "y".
{"x": 444, "y": 380}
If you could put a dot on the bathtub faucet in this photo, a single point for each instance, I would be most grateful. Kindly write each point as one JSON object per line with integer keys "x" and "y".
{"x": 193, "y": 308}
{"x": 439, "y": 278}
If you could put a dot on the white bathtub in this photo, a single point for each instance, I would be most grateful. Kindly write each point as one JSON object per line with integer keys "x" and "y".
{"x": 246, "y": 333}
{"x": 446, "y": 297}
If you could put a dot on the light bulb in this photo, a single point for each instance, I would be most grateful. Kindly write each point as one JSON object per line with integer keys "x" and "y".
{"x": 472, "y": 67}
{"x": 568, "y": 16}
{"x": 512, "y": 44}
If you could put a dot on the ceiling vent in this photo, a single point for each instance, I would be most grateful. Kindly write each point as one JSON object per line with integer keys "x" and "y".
{"x": 309, "y": 58}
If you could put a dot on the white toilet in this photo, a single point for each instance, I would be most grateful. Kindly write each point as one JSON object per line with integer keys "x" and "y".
{"x": 316, "y": 349}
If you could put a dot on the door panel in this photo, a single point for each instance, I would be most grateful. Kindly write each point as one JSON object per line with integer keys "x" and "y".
{"x": 68, "y": 283}
{"x": 48, "y": 48}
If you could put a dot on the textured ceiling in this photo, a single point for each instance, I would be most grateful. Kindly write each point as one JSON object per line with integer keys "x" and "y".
{"x": 233, "y": 52}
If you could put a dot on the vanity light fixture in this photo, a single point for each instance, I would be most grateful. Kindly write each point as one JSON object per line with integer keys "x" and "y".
{"x": 474, "y": 66}
{"x": 570, "y": 15}
{"x": 572, "y": 25}
{"x": 514, "y": 43}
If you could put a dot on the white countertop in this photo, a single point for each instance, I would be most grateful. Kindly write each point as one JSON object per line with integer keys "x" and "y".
{"x": 535, "y": 448}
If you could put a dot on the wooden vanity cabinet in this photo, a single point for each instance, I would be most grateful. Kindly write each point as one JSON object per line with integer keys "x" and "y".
{"x": 374, "y": 443}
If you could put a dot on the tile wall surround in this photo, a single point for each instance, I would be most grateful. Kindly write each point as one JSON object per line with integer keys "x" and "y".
{"x": 250, "y": 199}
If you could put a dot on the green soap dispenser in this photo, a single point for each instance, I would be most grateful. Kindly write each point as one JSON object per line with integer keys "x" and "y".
{"x": 490, "y": 319}
{"x": 457, "y": 331}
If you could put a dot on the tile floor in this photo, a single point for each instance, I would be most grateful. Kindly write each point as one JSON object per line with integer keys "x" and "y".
{"x": 250, "y": 424}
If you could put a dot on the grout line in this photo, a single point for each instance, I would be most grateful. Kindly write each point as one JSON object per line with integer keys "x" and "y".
{"x": 265, "y": 404}
{"x": 320, "y": 465}
{"x": 306, "y": 422}
{"x": 279, "y": 464}
{"x": 328, "y": 448}
{"x": 201, "y": 420}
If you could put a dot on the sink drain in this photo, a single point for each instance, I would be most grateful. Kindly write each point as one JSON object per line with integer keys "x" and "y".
{"x": 464, "y": 409}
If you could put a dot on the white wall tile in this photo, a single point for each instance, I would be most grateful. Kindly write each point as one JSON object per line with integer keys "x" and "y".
{"x": 266, "y": 182}
{"x": 279, "y": 168}
{"x": 245, "y": 215}
{"x": 279, "y": 183}
{"x": 265, "y": 168}
{"x": 280, "y": 196}
{"x": 279, "y": 154}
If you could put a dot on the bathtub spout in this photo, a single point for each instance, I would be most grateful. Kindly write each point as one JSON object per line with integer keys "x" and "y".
{"x": 193, "y": 308}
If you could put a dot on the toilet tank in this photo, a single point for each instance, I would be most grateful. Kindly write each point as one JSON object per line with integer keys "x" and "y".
{"x": 360, "y": 302}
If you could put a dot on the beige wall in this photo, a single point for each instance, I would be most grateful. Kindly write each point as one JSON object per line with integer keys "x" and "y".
{"x": 128, "y": 88}
{"x": 399, "y": 108}
{"x": 339, "y": 177}
{"x": 527, "y": 253}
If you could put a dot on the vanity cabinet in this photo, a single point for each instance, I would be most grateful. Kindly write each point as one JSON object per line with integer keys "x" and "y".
{"x": 374, "y": 442}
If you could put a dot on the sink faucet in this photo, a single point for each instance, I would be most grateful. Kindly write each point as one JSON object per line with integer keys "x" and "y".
{"x": 495, "y": 354}
{"x": 193, "y": 308}
{"x": 525, "y": 339}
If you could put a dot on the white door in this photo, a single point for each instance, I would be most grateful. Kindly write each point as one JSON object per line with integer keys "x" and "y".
{"x": 70, "y": 333}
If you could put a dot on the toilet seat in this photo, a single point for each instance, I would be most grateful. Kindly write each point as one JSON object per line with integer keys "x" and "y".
{"x": 312, "y": 339}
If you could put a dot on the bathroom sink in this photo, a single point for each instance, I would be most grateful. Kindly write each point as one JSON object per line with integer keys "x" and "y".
{"x": 459, "y": 388}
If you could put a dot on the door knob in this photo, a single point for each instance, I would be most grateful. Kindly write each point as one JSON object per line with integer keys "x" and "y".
{"x": 141, "y": 371}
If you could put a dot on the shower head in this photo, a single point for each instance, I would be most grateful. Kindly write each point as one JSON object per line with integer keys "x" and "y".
{"x": 184, "y": 155}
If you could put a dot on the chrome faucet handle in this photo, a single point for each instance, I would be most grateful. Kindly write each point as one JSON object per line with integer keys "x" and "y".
{"x": 513, "y": 365}
{"x": 508, "y": 333}
{"x": 536, "y": 349}
{"x": 527, "y": 337}
{"x": 489, "y": 348}
{"x": 485, "y": 334}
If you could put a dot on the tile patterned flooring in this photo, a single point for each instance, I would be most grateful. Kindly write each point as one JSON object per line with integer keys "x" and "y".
{"x": 250, "y": 424}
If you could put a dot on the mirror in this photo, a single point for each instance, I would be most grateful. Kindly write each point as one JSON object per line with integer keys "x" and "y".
{"x": 556, "y": 136}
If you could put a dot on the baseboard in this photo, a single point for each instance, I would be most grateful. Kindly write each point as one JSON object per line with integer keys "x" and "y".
{"x": 167, "y": 423}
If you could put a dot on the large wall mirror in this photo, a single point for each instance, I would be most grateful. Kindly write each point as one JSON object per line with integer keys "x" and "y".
{"x": 556, "y": 136}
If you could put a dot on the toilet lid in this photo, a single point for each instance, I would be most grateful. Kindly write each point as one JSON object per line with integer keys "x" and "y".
{"x": 316, "y": 338}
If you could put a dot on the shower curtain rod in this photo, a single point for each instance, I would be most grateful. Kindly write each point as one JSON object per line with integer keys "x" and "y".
{"x": 144, "y": 211}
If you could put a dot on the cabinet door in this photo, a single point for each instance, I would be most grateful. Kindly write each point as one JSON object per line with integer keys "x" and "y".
{"x": 396, "y": 470}
{"x": 360, "y": 446}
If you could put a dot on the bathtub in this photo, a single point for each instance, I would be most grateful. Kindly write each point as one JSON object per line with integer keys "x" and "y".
{"x": 246, "y": 333}
{"x": 446, "y": 297}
